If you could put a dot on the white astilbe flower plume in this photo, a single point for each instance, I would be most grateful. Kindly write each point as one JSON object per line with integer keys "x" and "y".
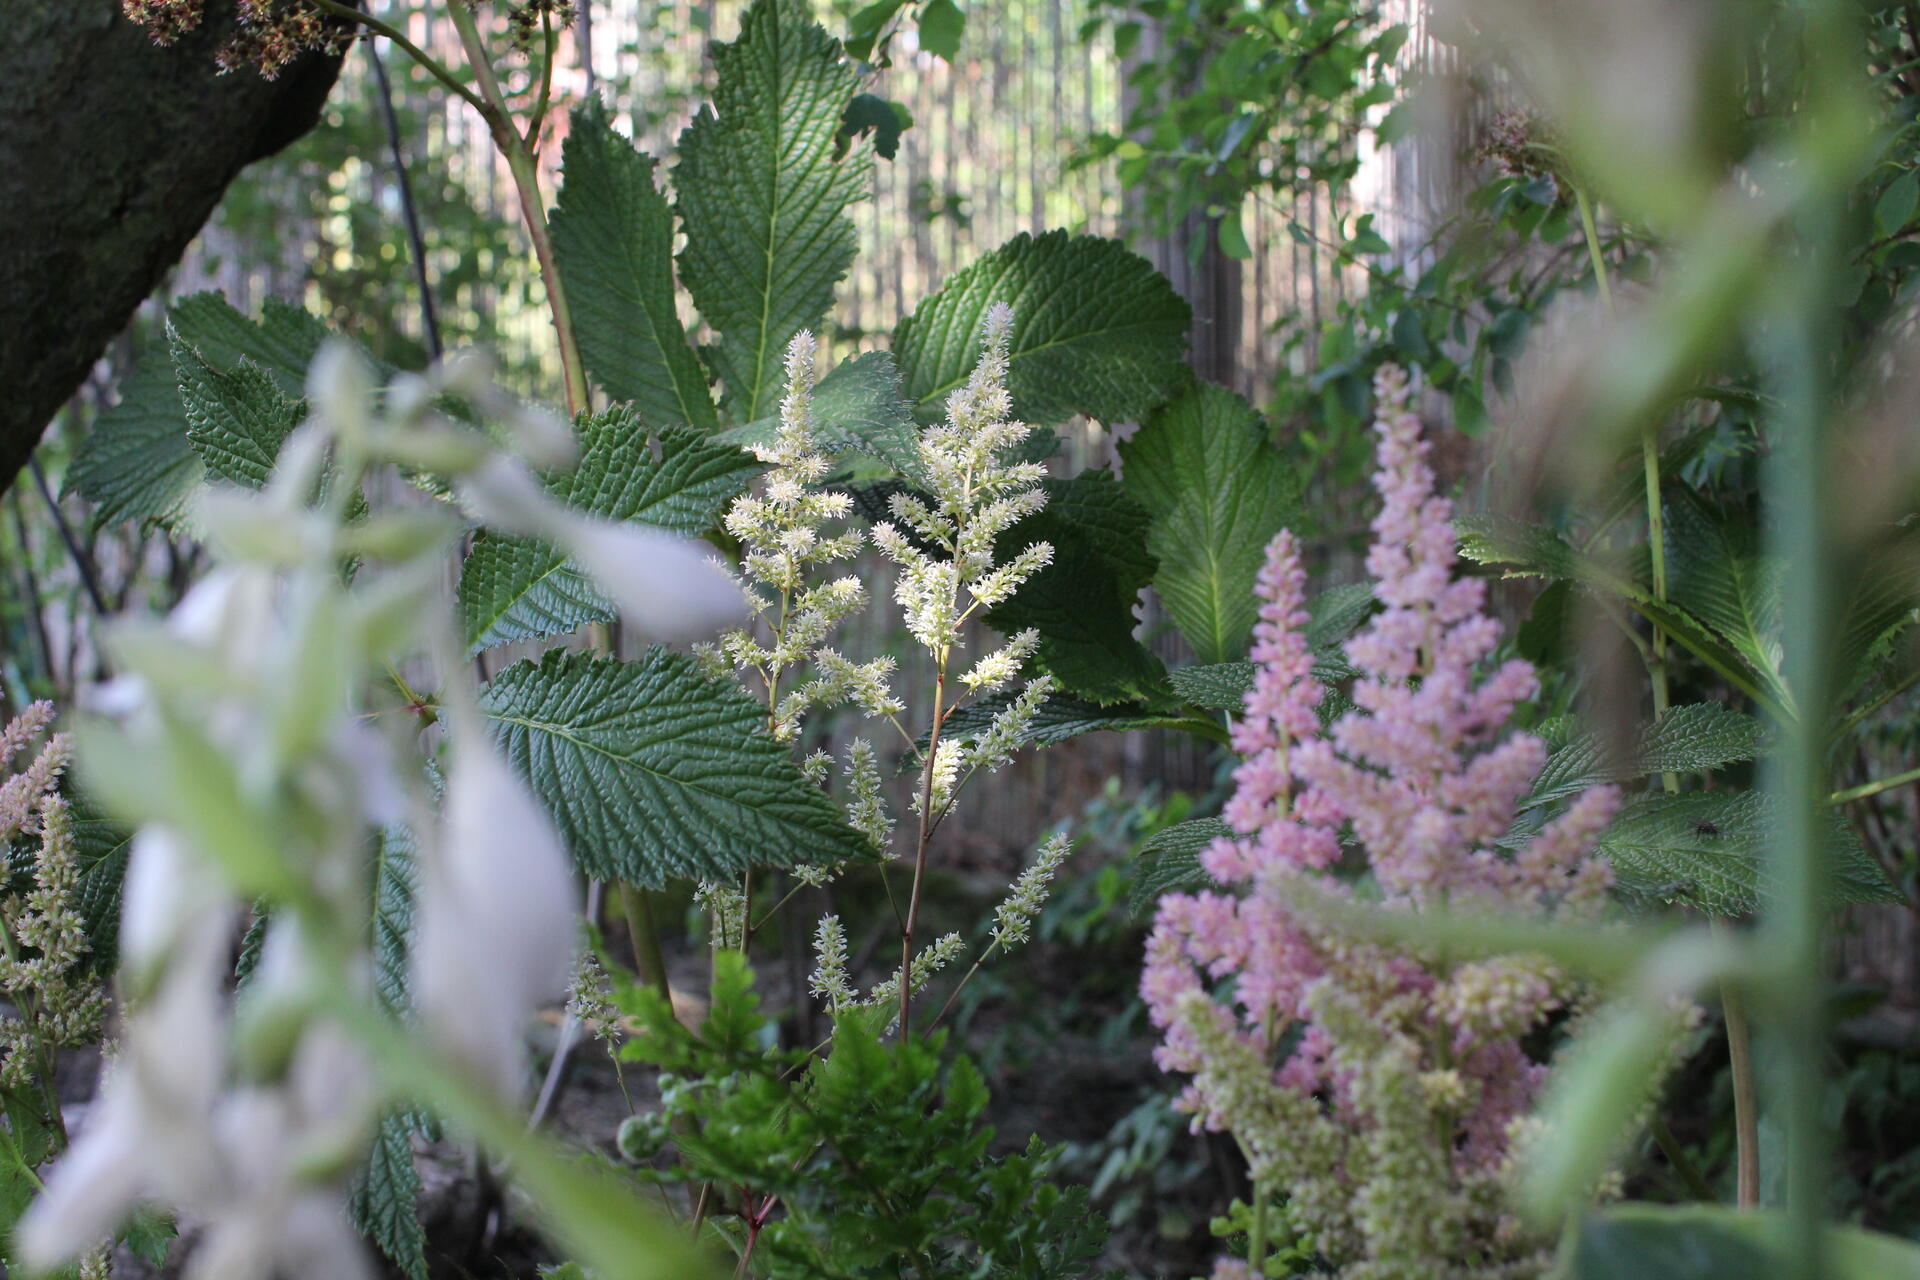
{"x": 785, "y": 532}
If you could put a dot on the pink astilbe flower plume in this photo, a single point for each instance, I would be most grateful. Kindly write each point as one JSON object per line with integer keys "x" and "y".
{"x": 1373, "y": 1089}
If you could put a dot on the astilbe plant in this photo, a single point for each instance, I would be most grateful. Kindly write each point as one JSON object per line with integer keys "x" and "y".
{"x": 45, "y": 973}
{"x": 946, "y": 544}
{"x": 1375, "y": 1088}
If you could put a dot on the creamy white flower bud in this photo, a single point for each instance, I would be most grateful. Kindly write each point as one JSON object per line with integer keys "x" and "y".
{"x": 167, "y": 895}
{"x": 669, "y": 588}
{"x": 340, "y": 387}
{"x": 496, "y": 917}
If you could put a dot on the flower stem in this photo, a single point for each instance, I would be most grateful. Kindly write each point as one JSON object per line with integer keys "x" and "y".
{"x": 526, "y": 182}
{"x": 1874, "y": 788}
{"x": 434, "y": 67}
{"x": 645, "y": 936}
{"x": 1677, "y": 1157}
{"x": 1746, "y": 1120}
{"x": 1257, "y": 1238}
{"x": 920, "y": 850}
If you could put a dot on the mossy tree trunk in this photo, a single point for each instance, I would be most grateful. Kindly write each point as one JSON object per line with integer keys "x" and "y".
{"x": 113, "y": 152}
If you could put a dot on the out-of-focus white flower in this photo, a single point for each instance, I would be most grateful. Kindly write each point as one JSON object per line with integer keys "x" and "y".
{"x": 340, "y": 387}
{"x": 148, "y": 1134}
{"x": 166, "y": 897}
{"x": 667, "y": 586}
{"x": 496, "y": 917}
{"x": 282, "y": 1211}
{"x": 541, "y": 435}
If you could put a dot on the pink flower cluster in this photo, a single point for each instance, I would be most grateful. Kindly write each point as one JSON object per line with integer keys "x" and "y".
{"x": 1374, "y": 1088}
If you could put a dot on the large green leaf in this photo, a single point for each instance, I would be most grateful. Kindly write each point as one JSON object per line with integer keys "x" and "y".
{"x": 1336, "y": 613}
{"x": 514, "y": 588}
{"x": 382, "y": 1204}
{"x": 1708, "y": 850}
{"x": 859, "y": 407}
{"x": 763, "y": 196}
{"x": 654, "y": 771}
{"x": 136, "y": 463}
{"x": 613, "y": 238}
{"x": 1716, "y": 572}
{"x": 394, "y": 882}
{"x": 1695, "y": 738}
{"x": 1520, "y": 550}
{"x": 1218, "y": 491}
{"x": 1880, "y": 607}
{"x": 236, "y": 420}
{"x": 1719, "y": 1242}
{"x": 1082, "y": 604}
{"x": 1170, "y": 862}
{"x": 1096, "y": 330}
{"x": 1220, "y": 686}
{"x": 103, "y": 846}
{"x": 282, "y": 341}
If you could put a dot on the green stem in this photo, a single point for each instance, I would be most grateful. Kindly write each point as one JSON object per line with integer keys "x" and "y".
{"x": 1593, "y": 248}
{"x": 1257, "y": 1238}
{"x": 1746, "y": 1105}
{"x": 1746, "y": 1118}
{"x": 1876, "y": 702}
{"x": 645, "y": 936}
{"x": 539, "y": 116}
{"x": 920, "y": 849}
{"x": 1874, "y": 788}
{"x": 434, "y": 67}
{"x": 533, "y": 209}
{"x": 1677, "y": 1157}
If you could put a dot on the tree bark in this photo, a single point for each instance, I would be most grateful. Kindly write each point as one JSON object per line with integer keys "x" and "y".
{"x": 113, "y": 153}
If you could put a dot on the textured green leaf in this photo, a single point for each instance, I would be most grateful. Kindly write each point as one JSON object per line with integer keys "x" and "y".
{"x": 1699, "y": 737}
{"x": 654, "y": 771}
{"x": 523, "y": 589}
{"x": 102, "y": 845}
{"x": 149, "y": 1234}
{"x": 283, "y": 341}
{"x": 858, "y": 407}
{"x": 1696, "y": 738}
{"x": 29, "y": 1141}
{"x": 1082, "y": 604}
{"x": 613, "y": 238}
{"x": 394, "y": 882}
{"x": 236, "y": 421}
{"x": 1880, "y": 608}
{"x": 1708, "y": 850}
{"x": 1716, "y": 572}
{"x": 1336, "y": 613}
{"x": 1221, "y": 686}
{"x": 383, "y": 1198}
{"x": 515, "y": 588}
{"x": 763, "y": 196}
{"x": 136, "y": 463}
{"x": 1170, "y": 862}
{"x": 1096, "y": 330}
{"x": 1203, "y": 467}
{"x": 1520, "y": 550}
